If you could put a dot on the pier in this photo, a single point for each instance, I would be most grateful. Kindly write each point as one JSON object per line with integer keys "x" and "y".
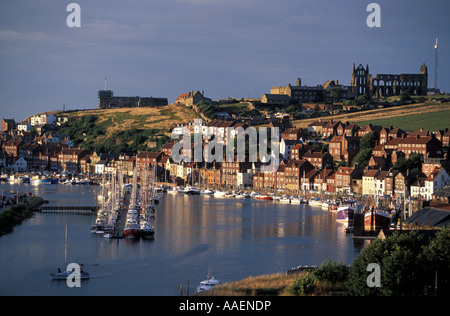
{"x": 67, "y": 209}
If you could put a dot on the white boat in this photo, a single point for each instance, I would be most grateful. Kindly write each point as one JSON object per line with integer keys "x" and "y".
{"x": 41, "y": 181}
{"x": 63, "y": 275}
{"x": 208, "y": 284}
{"x": 219, "y": 194}
{"x": 325, "y": 205}
{"x": 314, "y": 202}
{"x": 285, "y": 199}
{"x": 296, "y": 201}
{"x": 174, "y": 190}
{"x": 206, "y": 191}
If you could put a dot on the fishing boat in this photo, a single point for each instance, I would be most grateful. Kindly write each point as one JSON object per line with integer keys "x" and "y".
{"x": 375, "y": 219}
{"x": 132, "y": 229}
{"x": 345, "y": 213}
{"x": 63, "y": 275}
{"x": 147, "y": 231}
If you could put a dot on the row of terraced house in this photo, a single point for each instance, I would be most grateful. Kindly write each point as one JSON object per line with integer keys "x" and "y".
{"x": 302, "y": 166}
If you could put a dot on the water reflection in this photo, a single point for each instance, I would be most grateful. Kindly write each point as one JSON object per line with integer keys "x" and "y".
{"x": 235, "y": 238}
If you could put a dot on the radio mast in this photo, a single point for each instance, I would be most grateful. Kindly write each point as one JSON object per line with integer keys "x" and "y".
{"x": 436, "y": 63}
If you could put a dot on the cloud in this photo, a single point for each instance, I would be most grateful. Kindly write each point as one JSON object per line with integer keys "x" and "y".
{"x": 10, "y": 35}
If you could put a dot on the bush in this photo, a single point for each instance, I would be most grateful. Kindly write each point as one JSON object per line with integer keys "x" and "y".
{"x": 332, "y": 272}
{"x": 404, "y": 268}
{"x": 304, "y": 285}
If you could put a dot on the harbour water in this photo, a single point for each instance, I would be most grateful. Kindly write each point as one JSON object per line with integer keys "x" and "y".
{"x": 235, "y": 238}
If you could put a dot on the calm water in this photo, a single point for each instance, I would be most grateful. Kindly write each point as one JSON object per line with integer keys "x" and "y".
{"x": 234, "y": 238}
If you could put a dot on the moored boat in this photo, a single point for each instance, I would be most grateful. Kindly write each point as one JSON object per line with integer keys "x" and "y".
{"x": 376, "y": 219}
{"x": 345, "y": 214}
{"x": 315, "y": 202}
{"x": 219, "y": 194}
{"x": 263, "y": 197}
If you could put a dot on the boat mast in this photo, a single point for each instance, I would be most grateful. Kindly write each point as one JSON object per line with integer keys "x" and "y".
{"x": 65, "y": 248}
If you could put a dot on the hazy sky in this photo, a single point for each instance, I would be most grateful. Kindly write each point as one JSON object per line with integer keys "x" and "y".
{"x": 238, "y": 48}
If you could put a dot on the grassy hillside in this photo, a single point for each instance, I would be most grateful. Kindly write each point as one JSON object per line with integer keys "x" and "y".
{"x": 432, "y": 121}
{"x": 393, "y": 115}
{"x": 127, "y": 130}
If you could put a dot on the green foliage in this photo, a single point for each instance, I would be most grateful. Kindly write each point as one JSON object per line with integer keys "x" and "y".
{"x": 412, "y": 163}
{"x": 332, "y": 272}
{"x": 368, "y": 141}
{"x": 208, "y": 110}
{"x": 13, "y": 216}
{"x": 363, "y": 157}
{"x": 408, "y": 264}
{"x": 437, "y": 254}
{"x": 85, "y": 131}
{"x": 304, "y": 285}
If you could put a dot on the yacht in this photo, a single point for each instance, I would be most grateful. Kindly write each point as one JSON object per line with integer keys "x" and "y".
{"x": 208, "y": 284}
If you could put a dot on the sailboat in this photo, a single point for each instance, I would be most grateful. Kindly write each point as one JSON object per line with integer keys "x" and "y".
{"x": 63, "y": 275}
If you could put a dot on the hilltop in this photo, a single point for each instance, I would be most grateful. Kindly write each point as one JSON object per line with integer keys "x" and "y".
{"x": 124, "y": 130}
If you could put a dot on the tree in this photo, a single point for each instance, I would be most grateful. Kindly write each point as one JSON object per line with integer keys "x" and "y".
{"x": 437, "y": 253}
{"x": 368, "y": 141}
{"x": 363, "y": 157}
{"x": 408, "y": 264}
{"x": 405, "y": 96}
{"x": 335, "y": 93}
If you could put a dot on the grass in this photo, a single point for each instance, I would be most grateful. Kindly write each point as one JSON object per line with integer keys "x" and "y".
{"x": 389, "y": 114}
{"x": 432, "y": 121}
{"x": 270, "y": 285}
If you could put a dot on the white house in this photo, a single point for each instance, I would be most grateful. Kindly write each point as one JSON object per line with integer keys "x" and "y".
{"x": 100, "y": 167}
{"x": 286, "y": 146}
{"x": 435, "y": 181}
{"x": 19, "y": 165}
{"x": 368, "y": 182}
{"x": 244, "y": 178}
{"x": 25, "y": 127}
{"x": 42, "y": 119}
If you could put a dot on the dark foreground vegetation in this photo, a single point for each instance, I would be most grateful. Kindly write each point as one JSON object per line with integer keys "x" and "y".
{"x": 15, "y": 215}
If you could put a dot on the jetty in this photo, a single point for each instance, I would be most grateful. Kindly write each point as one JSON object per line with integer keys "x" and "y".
{"x": 69, "y": 209}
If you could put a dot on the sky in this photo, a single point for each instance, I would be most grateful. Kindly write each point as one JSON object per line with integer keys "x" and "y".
{"x": 237, "y": 48}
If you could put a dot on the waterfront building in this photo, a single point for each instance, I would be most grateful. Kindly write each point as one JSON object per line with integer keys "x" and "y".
{"x": 69, "y": 159}
{"x": 368, "y": 181}
{"x": 345, "y": 177}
